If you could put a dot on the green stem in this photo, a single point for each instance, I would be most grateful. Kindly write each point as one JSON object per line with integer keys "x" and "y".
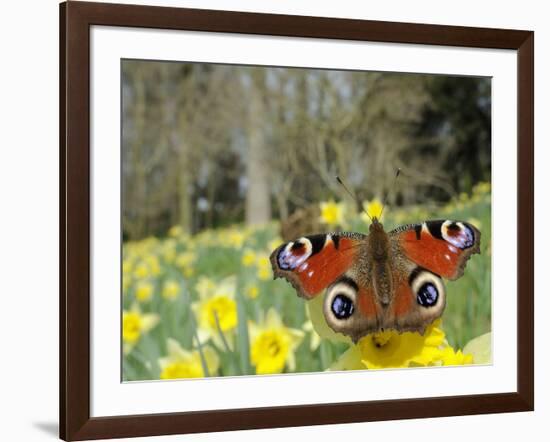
{"x": 220, "y": 332}
{"x": 225, "y": 343}
{"x": 203, "y": 359}
{"x": 199, "y": 348}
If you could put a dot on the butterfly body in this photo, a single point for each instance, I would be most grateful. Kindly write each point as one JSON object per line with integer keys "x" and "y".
{"x": 384, "y": 280}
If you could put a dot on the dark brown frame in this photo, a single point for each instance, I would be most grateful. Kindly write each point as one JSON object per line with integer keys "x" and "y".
{"x": 75, "y": 21}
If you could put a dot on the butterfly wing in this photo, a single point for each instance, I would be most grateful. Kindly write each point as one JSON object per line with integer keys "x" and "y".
{"x": 443, "y": 247}
{"x": 422, "y": 254}
{"x": 419, "y": 298}
{"x": 312, "y": 263}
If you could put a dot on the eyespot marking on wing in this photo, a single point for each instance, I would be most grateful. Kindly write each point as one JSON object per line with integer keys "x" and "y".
{"x": 294, "y": 254}
{"x": 458, "y": 234}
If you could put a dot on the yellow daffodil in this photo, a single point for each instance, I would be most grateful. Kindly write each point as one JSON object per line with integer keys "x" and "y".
{"x": 154, "y": 264}
{"x": 175, "y": 231}
{"x": 182, "y": 363}
{"x": 249, "y": 258}
{"x": 168, "y": 251}
{"x": 390, "y": 349}
{"x": 141, "y": 270}
{"x": 127, "y": 266}
{"x": 170, "y": 290}
{"x": 483, "y": 187}
{"x": 150, "y": 242}
{"x": 216, "y": 313}
{"x": 205, "y": 238}
{"x": 234, "y": 238}
{"x": 134, "y": 325}
{"x": 475, "y": 222}
{"x": 272, "y": 344}
{"x": 251, "y": 230}
{"x": 205, "y": 287}
{"x": 373, "y": 208}
{"x": 264, "y": 268}
{"x": 274, "y": 243}
{"x": 252, "y": 292}
{"x": 450, "y": 357}
{"x": 185, "y": 259}
{"x": 448, "y": 209}
{"x": 140, "y": 249}
{"x": 185, "y": 263}
{"x": 332, "y": 213}
{"x": 144, "y": 291}
{"x": 188, "y": 272}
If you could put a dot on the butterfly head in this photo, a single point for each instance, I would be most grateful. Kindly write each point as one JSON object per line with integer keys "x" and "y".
{"x": 376, "y": 225}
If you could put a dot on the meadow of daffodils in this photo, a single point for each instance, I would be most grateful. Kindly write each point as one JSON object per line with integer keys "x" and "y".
{"x": 207, "y": 305}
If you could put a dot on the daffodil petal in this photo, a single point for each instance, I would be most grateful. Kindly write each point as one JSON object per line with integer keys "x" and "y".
{"x": 349, "y": 360}
{"x": 273, "y": 319}
{"x": 212, "y": 359}
{"x": 175, "y": 350}
{"x": 149, "y": 321}
{"x": 480, "y": 349}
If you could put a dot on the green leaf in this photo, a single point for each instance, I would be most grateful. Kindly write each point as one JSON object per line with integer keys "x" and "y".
{"x": 242, "y": 333}
{"x": 201, "y": 355}
{"x": 225, "y": 344}
{"x": 199, "y": 347}
{"x": 480, "y": 348}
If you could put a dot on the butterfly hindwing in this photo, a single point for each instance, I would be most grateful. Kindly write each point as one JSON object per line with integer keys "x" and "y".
{"x": 353, "y": 306}
{"x": 419, "y": 298}
{"x": 441, "y": 246}
{"x": 311, "y": 263}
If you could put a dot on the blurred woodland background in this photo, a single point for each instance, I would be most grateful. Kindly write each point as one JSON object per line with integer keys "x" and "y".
{"x": 210, "y": 145}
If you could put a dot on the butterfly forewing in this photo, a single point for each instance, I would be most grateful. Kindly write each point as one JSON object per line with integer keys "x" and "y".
{"x": 441, "y": 246}
{"x": 311, "y": 263}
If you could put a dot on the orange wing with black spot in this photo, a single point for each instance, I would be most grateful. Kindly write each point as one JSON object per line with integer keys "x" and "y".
{"x": 443, "y": 247}
{"x": 312, "y": 263}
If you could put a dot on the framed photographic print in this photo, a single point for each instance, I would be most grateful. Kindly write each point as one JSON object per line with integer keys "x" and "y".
{"x": 273, "y": 220}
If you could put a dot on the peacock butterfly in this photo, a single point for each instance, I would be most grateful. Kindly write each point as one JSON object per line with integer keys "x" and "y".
{"x": 383, "y": 280}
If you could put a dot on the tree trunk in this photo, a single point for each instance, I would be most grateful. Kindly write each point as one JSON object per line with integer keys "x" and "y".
{"x": 185, "y": 201}
{"x": 258, "y": 207}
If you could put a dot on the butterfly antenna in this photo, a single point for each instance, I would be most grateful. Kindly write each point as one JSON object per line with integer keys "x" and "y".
{"x": 387, "y": 194}
{"x": 352, "y": 195}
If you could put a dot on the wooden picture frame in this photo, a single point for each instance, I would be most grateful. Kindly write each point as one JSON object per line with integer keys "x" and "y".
{"x": 75, "y": 21}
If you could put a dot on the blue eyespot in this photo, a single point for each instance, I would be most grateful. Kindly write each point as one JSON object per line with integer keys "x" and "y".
{"x": 427, "y": 295}
{"x": 342, "y": 307}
